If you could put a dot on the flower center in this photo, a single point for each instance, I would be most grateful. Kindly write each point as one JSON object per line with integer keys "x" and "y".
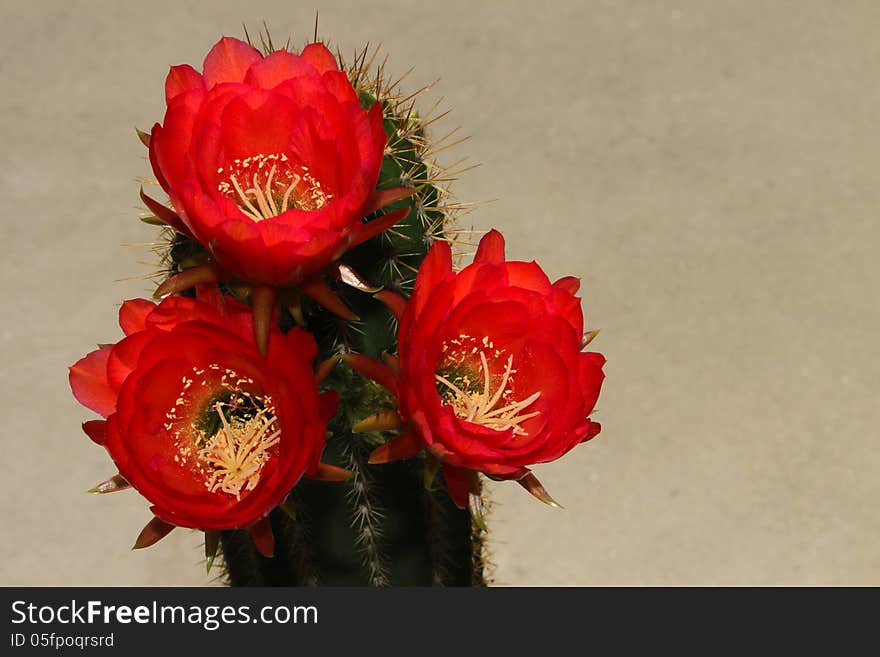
{"x": 478, "y": 394}
{"x": 227, "y": 441}
{"x": 265, "y": 186}
{"x": 237, "y": 452}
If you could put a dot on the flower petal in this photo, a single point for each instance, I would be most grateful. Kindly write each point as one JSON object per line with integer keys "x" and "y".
{"x": 229, "y": 61}
{"x": 570, "y": 284}
{"x": 491, "y": 248}
{"x": 458, "y": 483}
{"x": 88, "y": 381}
{"x": 181, "y": 79}
{"x": 402, "y": 447}
{"x": 133, "y": 315}
{"x": 96, "y": 430}
{"x": 320, "y": 57}
{"x": 261, "y": 533}
{"x": 276, "y": 68}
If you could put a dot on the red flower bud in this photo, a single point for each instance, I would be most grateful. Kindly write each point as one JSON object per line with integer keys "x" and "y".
{"x": 210, "y": 432}
{"x": 270, "y": 162}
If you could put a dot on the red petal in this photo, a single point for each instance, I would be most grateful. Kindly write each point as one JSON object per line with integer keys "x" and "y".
{"x": 327, "y": 472}
{"x": 152, "y": 533}
{"x": 261, "y": 533}
{"x": 568, "y": 283}
{"x": 396, "y": 303}
{"x": 325, "y": 367}
{"x": 133, "y": 315}
{"x": 96, "y": 430}
{"x": 402, "y": 447}
{"x": 327, "y": 403}
{"x": 458, "y": 483}
{"x": 491, "y": 248}
{"x": 277, "y": 67}
{"x": 318, "y": 290}
{"x": 364, "y": 232}
{"x": 164, "y": 214}
{"x": 391, "y": 361}
{"x": 591, "y": 377}
{"x": 154, "y": 158}
{"x": 263, "y": 301}
{"x": 210, "y": 293}
{"x": 88, "y": 381}
{"x": 181, "y": 79}
{"x": 434, "y": 268}
{"x": 320, "y": 57}
{"x": 383, "y": 197}
{"x": 592, "y": 431}
{"x": 373, "y": 369}
{"x": 229, "y": 61}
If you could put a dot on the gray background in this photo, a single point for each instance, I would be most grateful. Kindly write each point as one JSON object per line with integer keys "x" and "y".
{"x": 710, "y": 170}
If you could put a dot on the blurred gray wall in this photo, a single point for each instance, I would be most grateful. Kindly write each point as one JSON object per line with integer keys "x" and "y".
{"x": 710, "y": 170}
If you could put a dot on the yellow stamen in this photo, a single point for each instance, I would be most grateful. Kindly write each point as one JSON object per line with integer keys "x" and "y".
{"x": 482, "y": 407}
{"x": 279, "y": 192}
{"x": 237, "y": 452}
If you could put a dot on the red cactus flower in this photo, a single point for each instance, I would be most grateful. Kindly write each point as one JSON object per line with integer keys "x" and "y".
{"x": 210, "y": 432}
{"x": 271, "y": 163}
{"x": 491, "y": 375}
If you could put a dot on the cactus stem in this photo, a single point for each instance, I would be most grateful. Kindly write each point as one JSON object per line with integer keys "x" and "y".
{"x": 366, "y": 516}
{"x": 475, "y": 504}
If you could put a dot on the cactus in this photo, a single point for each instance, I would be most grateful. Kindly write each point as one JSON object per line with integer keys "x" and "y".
{"x": 391, "y": 524}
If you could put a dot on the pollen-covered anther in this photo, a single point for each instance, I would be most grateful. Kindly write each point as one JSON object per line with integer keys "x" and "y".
{"x": 475, "y": 401}
{"x": 235, "y": 455}
{"x": 264, "y": 186}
